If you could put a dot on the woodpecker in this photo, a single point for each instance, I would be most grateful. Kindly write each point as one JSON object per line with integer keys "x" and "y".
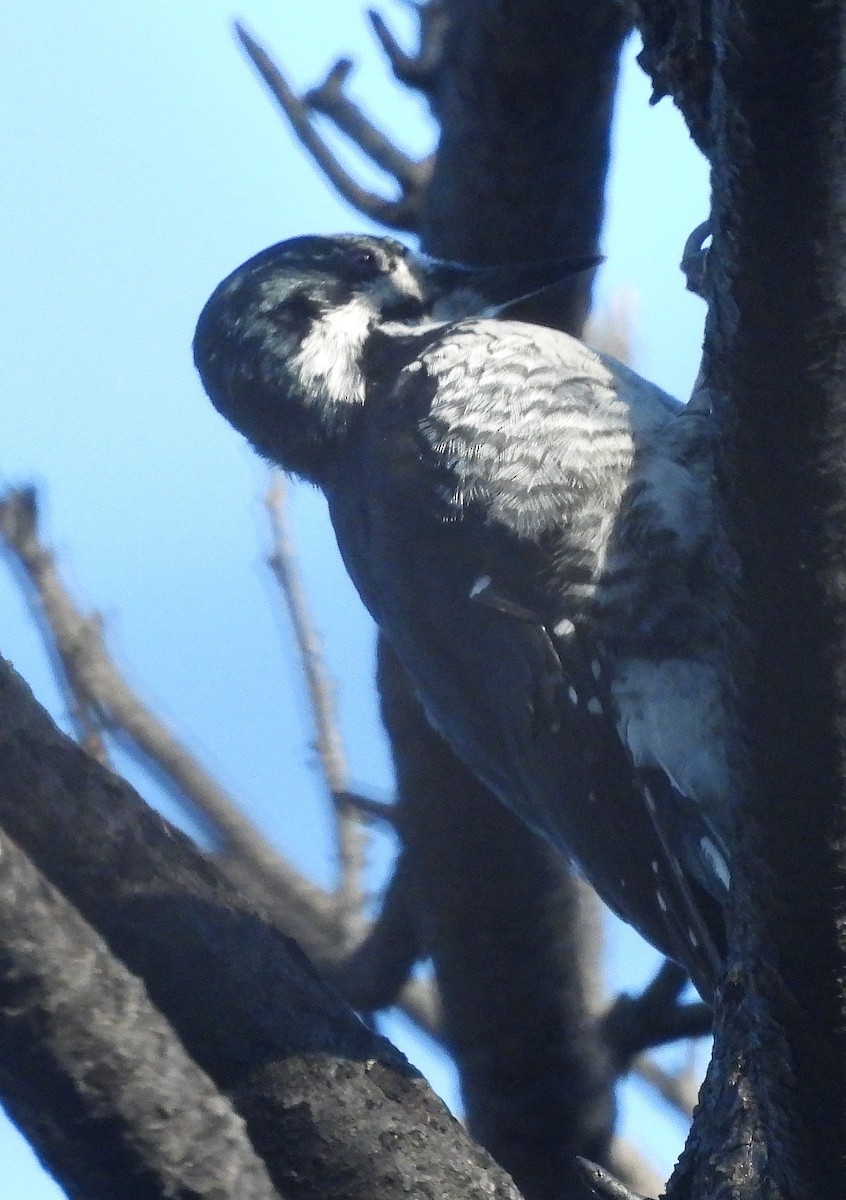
{"x": 531, "y": 525}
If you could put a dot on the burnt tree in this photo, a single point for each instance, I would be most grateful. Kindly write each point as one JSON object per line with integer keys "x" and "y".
{"x": 289, "y": 1094}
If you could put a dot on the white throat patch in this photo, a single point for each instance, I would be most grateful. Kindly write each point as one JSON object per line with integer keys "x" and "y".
{"x": 328, "y": 361}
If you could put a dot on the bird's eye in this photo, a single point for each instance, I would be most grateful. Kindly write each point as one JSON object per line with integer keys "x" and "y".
{"x": 366, "y": 263}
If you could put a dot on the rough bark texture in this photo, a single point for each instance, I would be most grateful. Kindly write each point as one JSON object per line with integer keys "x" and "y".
{"x": 773, "y": 1117}
{"x": 678, "y": 54}
{"x": 516, "y": 176}
{"x": 144, "y": 1120}
{"x": 316, "y": 1088}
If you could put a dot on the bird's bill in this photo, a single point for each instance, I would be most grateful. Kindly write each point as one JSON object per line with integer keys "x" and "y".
{"x": 504, "y": 285}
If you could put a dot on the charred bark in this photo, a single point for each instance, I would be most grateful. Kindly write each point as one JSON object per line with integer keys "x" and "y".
{"x": 772, "y": 119}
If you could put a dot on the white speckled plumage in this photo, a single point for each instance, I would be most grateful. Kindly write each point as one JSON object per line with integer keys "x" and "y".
{"x": 502, "y": 494}
{"x": 557, "y": 436}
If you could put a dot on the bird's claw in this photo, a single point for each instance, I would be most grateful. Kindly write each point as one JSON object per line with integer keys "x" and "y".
{"x": 694, "y": 260}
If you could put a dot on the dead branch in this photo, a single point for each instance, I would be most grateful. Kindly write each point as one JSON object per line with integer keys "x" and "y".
{"x": 679, "y": 1089}
{"x": 371, "y": 810}
{"x": 655, "y": 1017}
{"x": 143, "y": 1109}
{"x": 86, "y": 721}
{"x": 415, "y": 70}
{"x": 602, "y": 1183}
{"x": 78, "y": 639}
{"x": 402, "y": 213}
{"x": 330, "y": 99}
{"x": 349, "y": 831}
{"x": 373, "y": 975}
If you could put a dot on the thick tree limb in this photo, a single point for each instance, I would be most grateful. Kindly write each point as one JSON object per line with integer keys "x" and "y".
{"x": 316, "y": 1088}
{"x": 773, "y": 122}
{"x": 500, "y": 915}
{"x": 146, "y": 1120}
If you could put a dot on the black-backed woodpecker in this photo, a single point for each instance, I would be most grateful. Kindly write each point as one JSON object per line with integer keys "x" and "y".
{"x": 531, "y": 525}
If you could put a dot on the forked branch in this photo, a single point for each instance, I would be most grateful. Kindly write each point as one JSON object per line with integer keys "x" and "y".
{"x": 77, "y": 639}
{"x": 330, "y": 99}
{"x": 415, "y": 70}
{"x": 402, "y": 213}
{"x": 655, "y": 1017}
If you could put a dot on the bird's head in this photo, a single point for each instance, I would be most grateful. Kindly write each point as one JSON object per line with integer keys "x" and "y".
{"x": 280, "y": 344}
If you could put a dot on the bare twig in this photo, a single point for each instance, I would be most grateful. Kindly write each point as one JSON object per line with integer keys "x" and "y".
{"x": 415, "y": 70}
{"x": 602, "y": 1183}
{"x": 655, "y": 1017}
{"x": 371, "y": 810}
{"x": 330, "y": 99}
{"x": 374, "y": 974}
{"x": 86, "y": 721}
{"x": 78, "y": 639}
{"x": 401, "y": 213}
{"x": 282, "y": 563}
{"x": 141, "y": 1106}
{"x": 679, "y": 1089}
{"x": 350, "y": 834}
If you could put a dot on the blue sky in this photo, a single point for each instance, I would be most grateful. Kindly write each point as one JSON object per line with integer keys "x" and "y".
{"x": 143, "y": 162}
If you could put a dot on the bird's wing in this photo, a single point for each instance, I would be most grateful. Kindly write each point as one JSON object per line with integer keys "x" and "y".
{"x": 530, "y": 419}
{"x": 490, "y": 440}
{"x": 662, "y": 897}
